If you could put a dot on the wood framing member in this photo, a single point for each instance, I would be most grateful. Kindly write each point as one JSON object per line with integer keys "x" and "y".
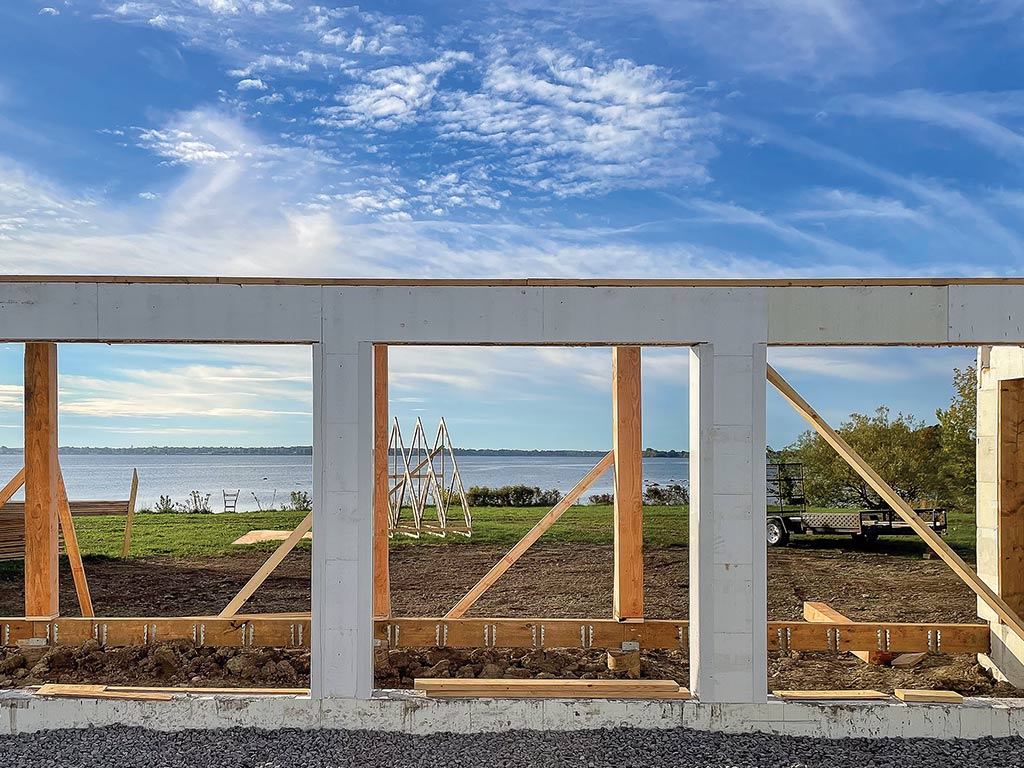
{"x": 932, "y": 539}
{"x": 67, "y": 525}
{"x": 12, "y": 487}
{"x": 531, "y": 537}
{"x": 268, "y": 567}
{"x": 381, "y": 433}
{"x": 821, "y": 612}
{"x": 628, "y": 584}
{"x": 130, "y": 518}
{"x": 42, "y": 595}
{"x": 1010, "y": 493}
{"x": 668, "y": 634}
{"x": 270, "y": 630}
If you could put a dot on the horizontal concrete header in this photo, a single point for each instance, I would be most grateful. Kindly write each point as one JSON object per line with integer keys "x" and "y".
{"x": 340, "y": 314}
{"x": 529, "y": 281}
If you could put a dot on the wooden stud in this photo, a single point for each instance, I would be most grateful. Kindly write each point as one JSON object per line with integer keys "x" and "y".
{"x": 628, "y": 584}
{"x": 1010, "y": 459}
{"x": 42, "y": 594}
{"x": 381, "y": 433}
{"x": 98, "y": 692}
{"x": 822, "y": 612}
{"x": 67, "y": 525}
{"x": 531, "y": 536}
{"x": 268, "y": 567}
{"x": 893, "y": 499}
{"x": 130, "y": 513}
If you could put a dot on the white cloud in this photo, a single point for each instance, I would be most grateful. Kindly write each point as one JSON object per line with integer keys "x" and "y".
{"x": 829, "y": 204}
{"x": 251, "y": 84}
{"x": 970, "y": 114}
{"x": 574, "y": 124}
{"x": 392, "y": 96}
{"x": 48, "y": 11}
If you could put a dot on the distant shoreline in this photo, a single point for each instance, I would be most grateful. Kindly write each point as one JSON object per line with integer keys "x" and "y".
{"x": 307, "y": 450}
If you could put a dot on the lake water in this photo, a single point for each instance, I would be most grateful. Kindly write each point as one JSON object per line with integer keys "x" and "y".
{"x": 271, "y": 479}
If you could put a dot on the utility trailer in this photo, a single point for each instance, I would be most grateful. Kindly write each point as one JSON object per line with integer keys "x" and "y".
{"x": 788, "y": 515}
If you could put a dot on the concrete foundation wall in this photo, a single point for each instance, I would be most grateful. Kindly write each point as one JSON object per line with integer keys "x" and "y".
{"x": 728, "y": 324}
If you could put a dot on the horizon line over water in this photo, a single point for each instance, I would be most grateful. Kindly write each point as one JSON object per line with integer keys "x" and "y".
{"x": 267, "y": 480}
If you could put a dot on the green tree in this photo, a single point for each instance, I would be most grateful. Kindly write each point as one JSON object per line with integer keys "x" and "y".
{"x": 957, "y": 426}
{"x": 902, "y": 450}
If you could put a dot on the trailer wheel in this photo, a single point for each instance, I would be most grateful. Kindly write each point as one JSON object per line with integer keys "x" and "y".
{"x": 776, "y": 533}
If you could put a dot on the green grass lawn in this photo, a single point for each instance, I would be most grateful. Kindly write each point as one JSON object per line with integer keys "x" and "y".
{"x": 182, "y": 535}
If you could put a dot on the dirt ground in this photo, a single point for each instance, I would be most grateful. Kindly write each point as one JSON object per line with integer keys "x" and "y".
{"x": 562, "y": 580}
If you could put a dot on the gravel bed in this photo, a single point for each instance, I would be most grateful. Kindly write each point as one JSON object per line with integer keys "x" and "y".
{"x": 288, "y": 748}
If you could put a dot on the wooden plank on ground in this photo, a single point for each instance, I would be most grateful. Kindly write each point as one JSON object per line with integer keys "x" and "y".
{"x": 850, "y": 695}
{"x": 568, "y": 689}
{"x": 906, "y": 660}
{"x": 258, "y": 537}
{"x": 268, "y": 567}
{"x": 130, "y": 517}
{"x": 42, "y": 593}
{"x": 928, "y": 697}
{"x": 531, "y": 537}
{"x": 822, "y": 612}
{"x": 210, "y": 691}
{"x": 67, "y": 525}
{"x": 893, "y": 499}
{"x": 98, "y": 692}
{"x": 381, "y": 433}
{"x": 628, "y": 540}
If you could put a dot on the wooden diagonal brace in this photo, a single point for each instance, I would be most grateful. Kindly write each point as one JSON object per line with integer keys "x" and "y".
{"x": 531, "y": 537}
{"x": 899, "y": 506}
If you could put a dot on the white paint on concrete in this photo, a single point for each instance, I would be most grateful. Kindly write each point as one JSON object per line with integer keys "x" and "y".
{"x": 975, "y": 718}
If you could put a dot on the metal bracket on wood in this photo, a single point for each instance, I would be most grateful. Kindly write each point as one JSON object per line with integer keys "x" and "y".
{"x": 935, "y": 640}
{"x": 784, "y": 638}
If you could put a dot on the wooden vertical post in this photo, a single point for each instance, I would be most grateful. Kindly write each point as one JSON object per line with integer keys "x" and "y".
{"x": 1010, "y": 531}
{"x": 41, "y": 480}
{"x": 132, "y": 496}
{"x": 628, "y": 594}
{"x": 381, "y": 573}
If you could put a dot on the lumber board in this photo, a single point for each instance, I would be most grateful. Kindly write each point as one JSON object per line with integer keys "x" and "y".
{"x": 268, "y": 567}
{"x": 12, "y": 487}
{"x": 130, "y": 516}
{"x": 822, "y": 612}
{"x": 210, "y": 691}
{"x": 568, "y": 689}
{"x": 67, "y": 525}
{"x": 881, "y": 636}
{"x": 908, "y": 515}
{"x": 531, "y": 537}
{"x": 906, "y": 660}
{"x": 858, "y": 693}
{"x": 42, "y": 593}
{"x": 1010, "y": 493}
{"x": 628, "y": 539}
{"x": 98, "y": 692}
{"x": 381, "y": 456}
{"x": 260, "y": 536}
{"x": 928, "y": 697}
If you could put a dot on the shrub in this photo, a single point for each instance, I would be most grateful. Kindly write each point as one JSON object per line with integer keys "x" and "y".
{"x": 197, "y": 504}
{"x": 301, "y": 502}
{"x": 164, "y": 507}
{"x": 656, "y": 495}
{"x": 603, "y": 498}
{"x": 512, "y": 496}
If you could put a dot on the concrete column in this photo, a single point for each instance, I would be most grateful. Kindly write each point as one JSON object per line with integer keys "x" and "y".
{"x": 728, "y": 559}
{"x": 342, "y": 623}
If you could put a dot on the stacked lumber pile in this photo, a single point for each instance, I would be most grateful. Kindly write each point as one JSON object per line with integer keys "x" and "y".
{"x": 551, "y": 689}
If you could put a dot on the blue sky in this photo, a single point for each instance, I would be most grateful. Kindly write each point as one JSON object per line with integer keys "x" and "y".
{"x": 645, "y": 139}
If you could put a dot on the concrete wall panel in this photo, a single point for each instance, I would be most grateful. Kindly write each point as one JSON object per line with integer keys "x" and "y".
{"x": 858, "y": 314}
{"x": 986, "y": 314}
{"x": 215, "y": 313}
{"x": 48, "y": 311}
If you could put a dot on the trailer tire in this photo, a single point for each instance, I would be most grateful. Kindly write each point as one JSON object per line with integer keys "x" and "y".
{"x": 776, "y": 533}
